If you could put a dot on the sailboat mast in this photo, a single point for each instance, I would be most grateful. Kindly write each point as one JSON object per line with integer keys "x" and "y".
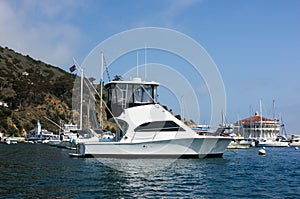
{"x": 260, "y": 107}
{"x": 81, "y": 97}
{"x": 274, "y": 119}
{"x": 101, "y": 89}
{"x": 88, "y": 114}
{"x": 223, "y": 123}
{"x": 239, "y": 123}
{"x": 274, "y": 115}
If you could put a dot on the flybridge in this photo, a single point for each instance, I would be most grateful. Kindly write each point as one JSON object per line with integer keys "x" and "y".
{"x": 135, "y": 80}
{"x": 127, "y": 94}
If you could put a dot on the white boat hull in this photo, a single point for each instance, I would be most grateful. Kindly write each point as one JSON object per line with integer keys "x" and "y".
{"x": 272, "y": 144}
{"x": 203, "y": 147}
{"x": 11, "y": 141}
{"x": 238, "y": 145}
{"x": 294, "y": 143}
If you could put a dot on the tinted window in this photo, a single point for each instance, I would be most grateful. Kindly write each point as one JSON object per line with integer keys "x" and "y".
{"x": 158, "y": 126}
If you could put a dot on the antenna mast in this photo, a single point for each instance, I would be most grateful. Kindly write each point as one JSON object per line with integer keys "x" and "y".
{"x": 182, "y": 109}
{"x": 101, "y": 89}
{"x": 145, "y": 62}
{"x": 137, "y": 63}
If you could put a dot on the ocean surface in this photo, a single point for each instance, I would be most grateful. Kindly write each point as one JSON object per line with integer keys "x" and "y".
{"x": 41, "y": 171}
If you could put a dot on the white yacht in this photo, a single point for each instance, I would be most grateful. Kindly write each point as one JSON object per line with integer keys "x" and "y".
{"x": 146, "y": 129}
{"x": 295, "y": 140}
{"x": 272, "y": 143}
{"x": 11, "y": 141}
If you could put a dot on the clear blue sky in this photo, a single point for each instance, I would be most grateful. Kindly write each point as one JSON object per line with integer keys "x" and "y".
{"x": 255, "y": 44}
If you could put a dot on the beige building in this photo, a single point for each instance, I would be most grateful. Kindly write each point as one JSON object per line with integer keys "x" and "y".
{"x": 257, "y": 127}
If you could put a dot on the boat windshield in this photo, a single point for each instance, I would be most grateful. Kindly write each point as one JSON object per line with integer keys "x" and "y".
{"x": 142, "y": 94}
{"x": 125, "y": 95}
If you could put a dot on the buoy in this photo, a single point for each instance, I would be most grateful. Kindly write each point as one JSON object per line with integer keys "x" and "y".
{"x": 296, "y": 148}
{"x": 262, "y": 152}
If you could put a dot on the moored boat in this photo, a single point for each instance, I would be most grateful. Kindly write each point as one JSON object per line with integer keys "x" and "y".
{"x": 295, "y": 140}
{"x": 239, "y": 144}
{"x": 271, "y": 143}
{"x": 54, "y": 141}
{"x": 11, "y": 141}
{"x": 67, "y": 136}
{"x": 146, "y": 129}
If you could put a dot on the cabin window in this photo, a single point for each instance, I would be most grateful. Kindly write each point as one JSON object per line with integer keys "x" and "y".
{"x": 158, "y": 126}
{"x": 143, "y": 94}
{"x": 118, "y": 94}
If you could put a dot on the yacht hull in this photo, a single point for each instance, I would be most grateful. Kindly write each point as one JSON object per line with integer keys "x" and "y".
{"x": 272, "y": 144}
{"x": 236, "y": 145}
{"x": 294, "y": 144}
{"x": 205, "y": 147}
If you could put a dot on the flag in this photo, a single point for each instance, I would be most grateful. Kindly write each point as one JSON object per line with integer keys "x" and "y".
{"x": 72, "y": 68}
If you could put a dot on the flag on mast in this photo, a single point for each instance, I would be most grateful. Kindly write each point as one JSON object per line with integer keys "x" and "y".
{"x": 72, "y": 68}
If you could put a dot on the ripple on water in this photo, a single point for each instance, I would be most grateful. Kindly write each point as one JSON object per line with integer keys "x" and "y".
{"x": 40, "y": 171}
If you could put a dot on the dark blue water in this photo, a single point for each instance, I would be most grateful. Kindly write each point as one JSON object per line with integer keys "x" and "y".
{"x": 41, "y": 171}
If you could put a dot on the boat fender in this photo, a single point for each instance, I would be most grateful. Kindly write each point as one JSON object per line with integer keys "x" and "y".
{"x": 262, "y": 152}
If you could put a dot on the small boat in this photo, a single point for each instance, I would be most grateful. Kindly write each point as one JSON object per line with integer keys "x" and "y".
{"x": 11, "y": 141}
{"x": 271, "y": 143}
{"x": 239, "y": 144}
{"x": 67, "y": 137}
{"x": 53, "y": 141}
{"x": 295, "y": 140}
{"x": 66, "y": 144}
{"x": 147, "y": 129}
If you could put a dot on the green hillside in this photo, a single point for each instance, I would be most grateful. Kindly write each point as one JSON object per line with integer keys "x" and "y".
{"x": 32, "y": 89}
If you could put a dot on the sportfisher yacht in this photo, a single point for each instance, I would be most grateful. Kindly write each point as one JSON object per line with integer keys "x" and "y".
{"x": 147, "y": 129}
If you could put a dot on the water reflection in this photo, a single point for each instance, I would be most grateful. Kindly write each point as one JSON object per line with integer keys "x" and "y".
{"x": 39, "y": 171}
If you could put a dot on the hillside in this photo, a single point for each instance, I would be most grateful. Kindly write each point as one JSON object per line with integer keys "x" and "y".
{"x": 29, "y": 90}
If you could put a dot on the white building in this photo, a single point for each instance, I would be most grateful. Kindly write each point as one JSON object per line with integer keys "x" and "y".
{"x": 257, "y": 127}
